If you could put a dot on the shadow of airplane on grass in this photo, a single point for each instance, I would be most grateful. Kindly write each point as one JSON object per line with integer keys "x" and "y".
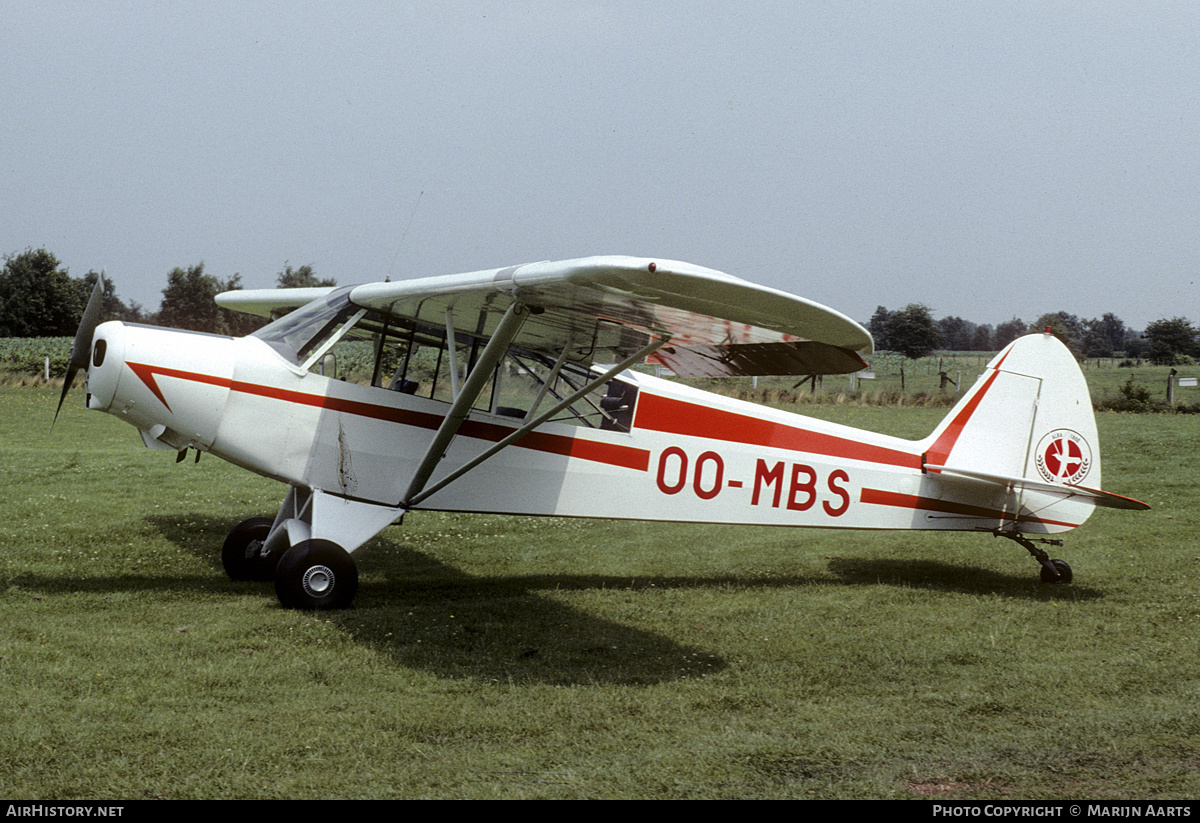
{"x": 939, "y": 576}
{"x": 424, "y": 614}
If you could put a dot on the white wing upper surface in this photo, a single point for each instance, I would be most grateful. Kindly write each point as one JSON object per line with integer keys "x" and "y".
{"x": 267, "y": 302}
{"x": 603, "y": 307}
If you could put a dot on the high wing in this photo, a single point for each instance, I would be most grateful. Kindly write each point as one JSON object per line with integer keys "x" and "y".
{"x": 269, "y": 302}
{"x": 602, "y": 309}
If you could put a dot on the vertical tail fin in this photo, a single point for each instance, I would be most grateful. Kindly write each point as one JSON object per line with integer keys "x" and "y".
{"x": 1028, "y": 417}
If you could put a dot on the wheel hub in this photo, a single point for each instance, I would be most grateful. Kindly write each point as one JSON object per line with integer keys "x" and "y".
{"x": 254, "y": 549}
{"x": 318, "y": 581}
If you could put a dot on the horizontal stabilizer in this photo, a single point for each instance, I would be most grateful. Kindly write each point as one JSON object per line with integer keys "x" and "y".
{"x": 1098, "y": 497}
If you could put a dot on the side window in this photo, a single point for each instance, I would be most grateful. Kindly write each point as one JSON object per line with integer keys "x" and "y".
{"x": 617, "y": 404}
{"x": 417, "y": 359}
{"x": 529, "y": 385}
{"x": 404, "y": 360}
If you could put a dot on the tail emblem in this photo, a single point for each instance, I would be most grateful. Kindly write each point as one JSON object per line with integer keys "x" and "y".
{"x": 1063, "y": 456}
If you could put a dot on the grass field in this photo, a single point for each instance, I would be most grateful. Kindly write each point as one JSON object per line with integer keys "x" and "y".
{"x": 494, "y": 657}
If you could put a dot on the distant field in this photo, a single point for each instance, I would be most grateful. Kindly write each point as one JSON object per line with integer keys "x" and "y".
{"x": 923, "y": 383}
{"x": 502, "y": 657}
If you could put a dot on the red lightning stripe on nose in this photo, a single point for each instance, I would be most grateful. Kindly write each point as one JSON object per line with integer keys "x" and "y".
{"x": 146, "y": 374}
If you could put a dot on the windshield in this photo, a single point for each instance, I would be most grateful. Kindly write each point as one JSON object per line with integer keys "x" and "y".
{"x": 296, "y": 334}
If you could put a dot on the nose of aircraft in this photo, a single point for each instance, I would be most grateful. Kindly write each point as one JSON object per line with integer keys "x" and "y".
{"x": 104, "y": 367}
{"x": 171, "y": 384}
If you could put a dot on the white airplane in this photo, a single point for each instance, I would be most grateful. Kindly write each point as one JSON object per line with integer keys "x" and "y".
{"x": 487, "y": 396}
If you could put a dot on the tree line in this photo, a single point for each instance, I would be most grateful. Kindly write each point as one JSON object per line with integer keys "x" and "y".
{"x": 39, "y": 298}
{"x": 913, "y": 332}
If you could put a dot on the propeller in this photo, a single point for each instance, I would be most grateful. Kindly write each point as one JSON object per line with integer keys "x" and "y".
{"x": 81, "y": 349}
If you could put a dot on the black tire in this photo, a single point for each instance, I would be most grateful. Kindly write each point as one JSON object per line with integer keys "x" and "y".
{"x": 316, "y": 575}
{"x": 1061, "y": 573}
{"x": 241, "y": 555}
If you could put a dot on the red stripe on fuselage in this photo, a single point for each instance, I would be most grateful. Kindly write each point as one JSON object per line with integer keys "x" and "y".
{"x": 613, "y": 454}
{"x": 666, "y": 414}
{"x": 939, "y": 452}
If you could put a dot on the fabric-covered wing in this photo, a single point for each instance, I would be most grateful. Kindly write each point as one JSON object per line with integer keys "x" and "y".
{"x": 270, "y": 302}
{"x": 603, "y": 308}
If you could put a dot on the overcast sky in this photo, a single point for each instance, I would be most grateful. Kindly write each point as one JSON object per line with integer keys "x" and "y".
{"x": 988, "y": 159}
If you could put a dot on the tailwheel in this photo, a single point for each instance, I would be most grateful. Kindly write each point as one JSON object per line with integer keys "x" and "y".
{"x": 1053, "y": 570}
{"x": 243, "y": 555}
{"x": 316, "y": 575}
{"x": 1056, "y": 571}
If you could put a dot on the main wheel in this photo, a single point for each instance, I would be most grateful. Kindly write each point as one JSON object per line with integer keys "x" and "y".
{"x": 316, "y": 574}
{"x": 1061, "y": 572}
{"x": 242, "y": 553}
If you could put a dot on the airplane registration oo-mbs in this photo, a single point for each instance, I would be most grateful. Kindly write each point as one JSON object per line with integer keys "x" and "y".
{"x": 511, "y": 391}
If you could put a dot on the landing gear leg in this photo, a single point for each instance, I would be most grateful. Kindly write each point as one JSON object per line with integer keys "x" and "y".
{"x": 1053, "y": 570}
{"x": 309, "y": 572}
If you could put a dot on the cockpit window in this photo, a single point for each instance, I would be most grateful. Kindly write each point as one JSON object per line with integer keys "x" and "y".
{"x": 416, "y": 358}
{"x": 296, "y": 334}
{"x": 530, "y": 384}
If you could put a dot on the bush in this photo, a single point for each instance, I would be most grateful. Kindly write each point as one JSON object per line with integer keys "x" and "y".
{"x": 27, "y": 355}
{"x": 1131, "y": 397}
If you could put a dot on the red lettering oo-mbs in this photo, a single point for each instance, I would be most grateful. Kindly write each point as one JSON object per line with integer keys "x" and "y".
{"x": 800, "y": 482}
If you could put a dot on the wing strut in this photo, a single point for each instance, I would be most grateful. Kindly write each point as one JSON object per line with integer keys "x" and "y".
{"x": 452, "y": 350}
{"x": 416, "y": 496}
{"x": 467, "y": 394}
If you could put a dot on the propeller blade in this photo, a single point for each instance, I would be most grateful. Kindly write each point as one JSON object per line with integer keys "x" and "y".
{"x": 81, "y": 349}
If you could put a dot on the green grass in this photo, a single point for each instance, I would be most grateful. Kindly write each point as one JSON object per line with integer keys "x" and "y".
{"x": 497, "y": 657}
